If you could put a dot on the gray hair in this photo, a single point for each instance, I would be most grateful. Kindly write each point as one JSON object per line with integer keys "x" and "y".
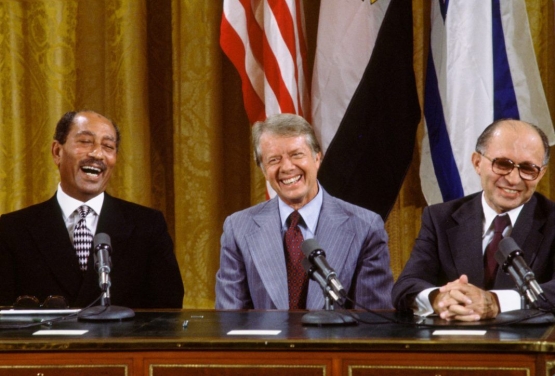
{"x": 285, "y": 125}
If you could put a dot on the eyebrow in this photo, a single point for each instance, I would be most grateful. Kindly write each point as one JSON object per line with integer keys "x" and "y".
{"x": 85, "y": 132}
{"x": 89, "y": 133}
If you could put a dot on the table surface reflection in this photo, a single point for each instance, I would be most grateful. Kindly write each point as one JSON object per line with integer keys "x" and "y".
{"x": 209, "y": 330}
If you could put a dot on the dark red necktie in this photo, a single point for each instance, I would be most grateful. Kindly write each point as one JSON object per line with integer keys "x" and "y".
{"x": 297, "y": 279}
{"x": 490, "y": 264}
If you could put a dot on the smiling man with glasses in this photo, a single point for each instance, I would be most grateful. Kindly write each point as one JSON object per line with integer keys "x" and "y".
{"x": 452, "y": 270}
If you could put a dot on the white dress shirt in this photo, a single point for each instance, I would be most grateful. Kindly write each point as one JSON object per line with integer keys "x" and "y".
{"x": 69, "y": 206}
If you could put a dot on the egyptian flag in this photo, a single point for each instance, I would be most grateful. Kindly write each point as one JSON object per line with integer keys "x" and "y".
{"x": 364, "y": 99}
{"x": 481, "y": 67}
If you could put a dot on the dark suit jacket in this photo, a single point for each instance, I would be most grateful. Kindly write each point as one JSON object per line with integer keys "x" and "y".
{"x": 252, "y": 262}
{"x": 450, "y": 244}
{"x": 37, "y": 257}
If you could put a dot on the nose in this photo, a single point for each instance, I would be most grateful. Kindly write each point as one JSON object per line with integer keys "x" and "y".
{"x": 287, "y": 164}
{"x": 96, "y": 152}
{"x": 514, "y": 177}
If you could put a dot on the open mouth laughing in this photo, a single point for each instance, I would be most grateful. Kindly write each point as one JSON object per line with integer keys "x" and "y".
{"x": 93, "y": 168}
{"x": 292, "y": 180}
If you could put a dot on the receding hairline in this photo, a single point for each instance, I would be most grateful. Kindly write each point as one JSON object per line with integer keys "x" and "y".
{"x": 80, "y": 113}
{"x": 483, "y": 141}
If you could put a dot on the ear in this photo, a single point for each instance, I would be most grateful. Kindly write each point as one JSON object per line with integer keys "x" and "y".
{"x": 542, "y": 173}
{"x": 476, "y": 160}
{"x": 57, "y": 152}
{"x": 318, "y": 159}
{"x": 263, "y": 171}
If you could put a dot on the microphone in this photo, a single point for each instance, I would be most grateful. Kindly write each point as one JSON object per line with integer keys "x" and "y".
{"x": 509, "y": 257}
{"x": 314, "y": 274}
{"x": 102, "y": 261}
{"x": 103, "y": 264}
{"x": 317, "y": 257}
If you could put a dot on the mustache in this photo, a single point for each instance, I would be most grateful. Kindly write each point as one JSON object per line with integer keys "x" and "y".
{"x": 93, "y": 162}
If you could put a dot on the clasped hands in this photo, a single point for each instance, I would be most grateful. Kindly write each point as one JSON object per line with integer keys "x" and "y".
{"x": 460, "y": 300}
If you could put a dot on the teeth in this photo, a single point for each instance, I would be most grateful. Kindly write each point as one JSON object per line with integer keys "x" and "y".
{"x": 509, "y": 190}
{"x": 89, "y": 170}
{"x": 292, "y": 180}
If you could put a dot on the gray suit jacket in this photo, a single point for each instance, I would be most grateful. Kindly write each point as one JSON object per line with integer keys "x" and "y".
{"x": 450, "y": 244}
{"x": 252, "y": 271}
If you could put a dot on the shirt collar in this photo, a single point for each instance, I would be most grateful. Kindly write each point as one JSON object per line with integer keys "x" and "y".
{"x": 310, "y": 212}
{"x": 69, "y": 204}
{"x": 490, "y": 214}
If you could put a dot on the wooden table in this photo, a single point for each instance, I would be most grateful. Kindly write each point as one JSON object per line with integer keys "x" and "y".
{"x": 158, "y": 343}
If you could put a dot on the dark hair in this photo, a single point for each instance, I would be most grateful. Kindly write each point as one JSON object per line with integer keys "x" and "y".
{"x": 64, "y": 125}
{"x": 286, "y": 125}
{"x": 484, "y": 138}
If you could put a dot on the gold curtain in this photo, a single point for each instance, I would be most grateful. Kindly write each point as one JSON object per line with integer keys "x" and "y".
{"x": 155, "y": 67}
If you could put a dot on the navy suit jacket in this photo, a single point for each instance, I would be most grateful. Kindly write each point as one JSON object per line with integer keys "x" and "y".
{"x": 37, "y": 257}
{"x": 450, "y": 244}
{"x": 253, "y": 275}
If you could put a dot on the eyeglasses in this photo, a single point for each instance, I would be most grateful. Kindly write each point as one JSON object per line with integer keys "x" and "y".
{"x": 32, "y": 302}
{"x": 504, "y": 166}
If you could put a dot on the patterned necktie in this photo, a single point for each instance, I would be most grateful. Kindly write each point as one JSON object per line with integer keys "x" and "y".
{"x": 82, "y": 237}
{"x": 490, "y": 264}
{"x": 297, "y": 279}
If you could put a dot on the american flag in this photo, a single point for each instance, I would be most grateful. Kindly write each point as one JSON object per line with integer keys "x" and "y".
{"x": 265, "y": 41}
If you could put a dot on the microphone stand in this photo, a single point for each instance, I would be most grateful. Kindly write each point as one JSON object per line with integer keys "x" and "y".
{"x": 328, "y": 316}
{"x": 105, "y": 311}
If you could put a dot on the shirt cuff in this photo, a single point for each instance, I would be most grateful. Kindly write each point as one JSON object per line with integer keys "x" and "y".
{"x": 509, "y": 300}
{"x": 422, "y": 305}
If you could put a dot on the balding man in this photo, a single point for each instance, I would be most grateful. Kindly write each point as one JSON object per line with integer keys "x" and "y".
{"x": 452, "y": 271}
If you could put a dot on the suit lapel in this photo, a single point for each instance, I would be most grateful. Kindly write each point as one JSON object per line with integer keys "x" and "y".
{"x": 526, "y": 230}
{"x": 112, "y": 222}
{"x": 526, "y": 233}
{"x": 265, "y": 245}
{"x": 52, "y": 238}
{"x": 335, "y": 239}
{"x": 465, "y": 240}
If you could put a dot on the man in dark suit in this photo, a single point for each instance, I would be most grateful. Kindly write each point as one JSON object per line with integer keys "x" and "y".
{"x": 448, "y": 272}
{"x": 259, "y": 269}
{"x": 39, "y": 245}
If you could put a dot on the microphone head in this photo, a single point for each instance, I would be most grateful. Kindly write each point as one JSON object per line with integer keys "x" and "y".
{"x": 102, "y": 238}
{"x": 309, "y": 246}
{"x": 306, "y": 265}
{"x": 505, "y": 251}
{"x": 507, "y": 246}
{"x": 500, "y": 258}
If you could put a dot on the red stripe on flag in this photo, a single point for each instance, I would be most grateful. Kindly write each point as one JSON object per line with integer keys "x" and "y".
{"x": 269, "y": 54}
{"x": 304, "y": 94}
{"x": 254, "y": 32}
{"x": 233, "y": 47}
{"x": 286, "y": 26}
{"x": 274, "y": 78}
